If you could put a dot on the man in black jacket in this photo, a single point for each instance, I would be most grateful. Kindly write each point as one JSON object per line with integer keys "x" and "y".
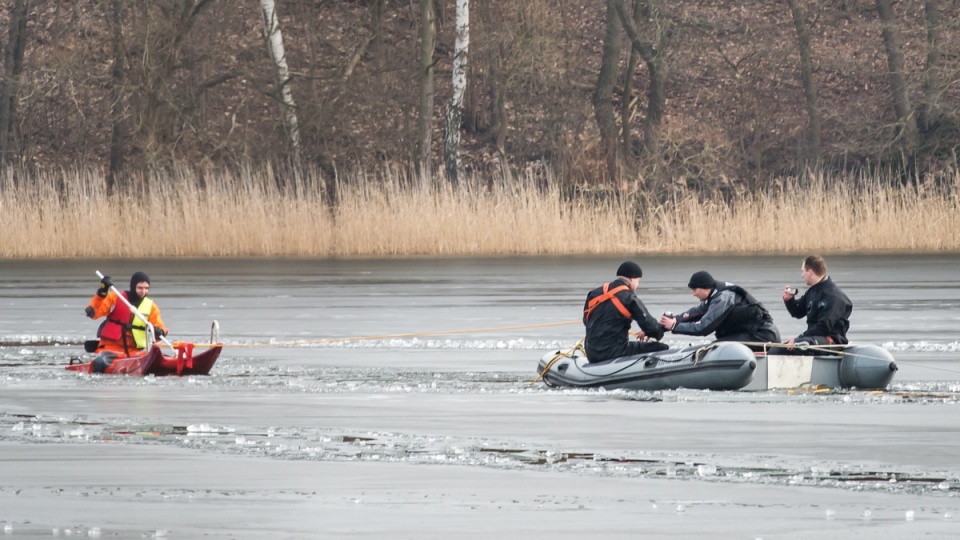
{"x": 727, "y": 310}
{"x": 826, "y": 307}
{"x": 608, "y": 313}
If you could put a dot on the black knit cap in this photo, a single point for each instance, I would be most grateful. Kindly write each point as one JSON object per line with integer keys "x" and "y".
{"x": 702, "y": 280}
{"x": 630, "y": 269}
{"x": 138, "y": 277}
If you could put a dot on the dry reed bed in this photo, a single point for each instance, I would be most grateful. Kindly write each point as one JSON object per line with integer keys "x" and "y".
{"x": 69, "y": 214}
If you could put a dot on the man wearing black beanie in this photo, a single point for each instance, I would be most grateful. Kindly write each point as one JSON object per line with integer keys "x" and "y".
{"x": 726, "y": 309}
{"x": 608, "y": 313}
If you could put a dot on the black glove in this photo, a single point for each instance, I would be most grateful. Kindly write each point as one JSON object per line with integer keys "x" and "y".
{"x": 89, "y": 311}
{"x": 158, "y": 332}
{"x": 105, "y": 285}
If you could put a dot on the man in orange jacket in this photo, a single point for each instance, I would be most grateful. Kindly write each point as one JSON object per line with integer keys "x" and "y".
{"x": 124, "y": 333}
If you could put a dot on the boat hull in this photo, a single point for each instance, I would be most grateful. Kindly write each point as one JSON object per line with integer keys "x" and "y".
{"x": 717, "y": 366}
{"x": 154, "y": 362}
{"x": 863, "y": 367}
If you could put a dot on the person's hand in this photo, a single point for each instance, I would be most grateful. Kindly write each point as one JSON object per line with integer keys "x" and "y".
{"x": 641, "y": 335}
{"x": 790, "y": 343}
{"x": 105, "y": 285}
{"x": 159, "y": 332}
{"x": 668, "y": 322}
{"x": 789, "y": 292}
{"x": 89, "y": 311}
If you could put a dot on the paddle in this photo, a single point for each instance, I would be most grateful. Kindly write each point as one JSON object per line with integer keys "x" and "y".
{"x": 135, "y": 311}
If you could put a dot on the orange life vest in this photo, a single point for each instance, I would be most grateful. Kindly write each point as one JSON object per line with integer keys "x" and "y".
{"x": 121, "y": 318}
{"x": 610, "y": 295}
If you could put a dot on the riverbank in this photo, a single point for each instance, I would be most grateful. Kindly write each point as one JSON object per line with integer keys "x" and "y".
{"x": 238, "y": 214}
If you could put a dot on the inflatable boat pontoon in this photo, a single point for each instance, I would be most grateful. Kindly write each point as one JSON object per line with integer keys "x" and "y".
{"x": 717, "y": 366}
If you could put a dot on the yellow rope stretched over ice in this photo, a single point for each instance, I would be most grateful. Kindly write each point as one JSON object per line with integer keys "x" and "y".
{"x": 298, "y": 343}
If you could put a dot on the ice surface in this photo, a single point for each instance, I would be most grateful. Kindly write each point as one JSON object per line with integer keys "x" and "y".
{"x": 444, "y": 436}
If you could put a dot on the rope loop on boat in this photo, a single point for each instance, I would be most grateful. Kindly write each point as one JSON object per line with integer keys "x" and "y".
{"x": 829, "y": 349}
{"x": 556, "y": 358}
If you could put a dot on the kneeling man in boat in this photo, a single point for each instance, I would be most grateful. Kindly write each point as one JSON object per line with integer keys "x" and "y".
{"x": 727, "y": 310}
{"x": 123, "y": 333}
{"x": 826, "y": 307}
{"x": 608, "y": 314}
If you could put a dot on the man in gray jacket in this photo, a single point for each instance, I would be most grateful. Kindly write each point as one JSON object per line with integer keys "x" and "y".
{"x": 727, "y": 310}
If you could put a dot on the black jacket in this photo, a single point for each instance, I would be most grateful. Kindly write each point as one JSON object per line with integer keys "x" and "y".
{"x": 729, "y": 311}
{"x": 608, "y": 330}
{"x": 827, "y": 309}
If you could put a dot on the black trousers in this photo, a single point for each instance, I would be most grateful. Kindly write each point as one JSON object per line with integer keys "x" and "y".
{"x": 629, "y": 349}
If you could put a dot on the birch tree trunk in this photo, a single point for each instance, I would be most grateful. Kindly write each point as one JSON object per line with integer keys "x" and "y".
{"x": 451, "y": 150}
{"x": 898, "y": 82}
{"x": 12, "y": 68}
{"x": 428, "y": 36}
{"x": 271, "y": 32}
{"x": 806, "y": 76}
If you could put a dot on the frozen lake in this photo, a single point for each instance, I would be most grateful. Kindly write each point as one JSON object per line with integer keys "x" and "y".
{"x": 368, "y": 398}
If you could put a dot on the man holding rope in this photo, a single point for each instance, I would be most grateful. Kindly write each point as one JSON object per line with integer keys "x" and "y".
{"x": 608, "y": 313}
{"x": 123, "y": 333}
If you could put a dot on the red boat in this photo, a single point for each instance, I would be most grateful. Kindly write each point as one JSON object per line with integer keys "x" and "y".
{"x": 153, "y": 362}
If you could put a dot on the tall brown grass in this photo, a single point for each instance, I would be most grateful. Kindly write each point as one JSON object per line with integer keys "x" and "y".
{"x": 244, "y": 213}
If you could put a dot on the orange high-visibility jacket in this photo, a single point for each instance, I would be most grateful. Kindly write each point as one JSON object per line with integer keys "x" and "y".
{"x": 114, "y": 333}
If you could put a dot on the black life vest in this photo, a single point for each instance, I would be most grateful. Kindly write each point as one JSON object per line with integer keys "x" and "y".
{"x": 747, "y": 315}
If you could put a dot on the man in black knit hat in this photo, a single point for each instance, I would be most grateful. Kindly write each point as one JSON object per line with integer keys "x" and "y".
{"x": 608, "y": 313}
{"x": 727, "y": 310}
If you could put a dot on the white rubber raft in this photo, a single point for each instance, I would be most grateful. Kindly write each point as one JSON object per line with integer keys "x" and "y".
{"x": 722, "y": 365}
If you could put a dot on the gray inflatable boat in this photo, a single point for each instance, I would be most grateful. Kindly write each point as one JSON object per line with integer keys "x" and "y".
{"x": 723, "y": 365}
{"x": 864, "y": 367}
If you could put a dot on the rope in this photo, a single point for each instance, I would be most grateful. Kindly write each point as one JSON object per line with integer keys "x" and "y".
{"x": 554, "y": 360}
{"x": 384, "y": 336}
{"x": 832, "y": 350}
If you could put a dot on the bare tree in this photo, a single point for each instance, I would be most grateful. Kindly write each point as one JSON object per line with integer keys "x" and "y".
{"x": 117, "y": 114}
{"x": 274, "y": 39}
{"x": 806, "y": 78}
{"x": 428, "y": 36}
{"x": 156, "y": 55}
{"x": 12, "y": 68}
{"x": 376, "y": 26}
{"x": 451, "y": 152}
{"x": 652, "y": 52}
{"x": 603, "y": 91}
{"x": 907, "y": 128}
{"x": 627, "y": 101}
{"x": 929, "y": 112}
